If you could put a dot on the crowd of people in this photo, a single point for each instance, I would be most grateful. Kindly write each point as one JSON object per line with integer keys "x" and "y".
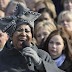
{"x": 35, "y": 36}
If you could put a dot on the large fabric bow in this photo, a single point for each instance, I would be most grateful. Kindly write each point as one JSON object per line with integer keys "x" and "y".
{"x": 21, "y": 15}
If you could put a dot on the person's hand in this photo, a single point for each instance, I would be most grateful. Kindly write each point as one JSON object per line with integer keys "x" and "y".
{"x": 33, "y": 54}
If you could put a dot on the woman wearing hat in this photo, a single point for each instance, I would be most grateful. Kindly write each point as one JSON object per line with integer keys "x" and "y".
{"x": 20, "y": 54}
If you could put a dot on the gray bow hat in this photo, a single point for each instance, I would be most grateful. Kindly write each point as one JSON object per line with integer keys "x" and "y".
{"x": 8, "y": 25}
{"x": 22, "y": 15}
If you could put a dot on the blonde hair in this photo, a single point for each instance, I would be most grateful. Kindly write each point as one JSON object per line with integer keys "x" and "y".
{"x": 51, "y": 6}
{"x": 61, "y": 15}
{"x": 45, "y": 23}
{"x": 48, "y": 4}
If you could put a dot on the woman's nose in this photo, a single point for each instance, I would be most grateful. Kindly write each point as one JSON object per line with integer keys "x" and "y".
{"x": 65, "y": 22}
{"x": 42, "y": 37}
{"x": 23, "y": 33}
{"x": 54, "y": 45}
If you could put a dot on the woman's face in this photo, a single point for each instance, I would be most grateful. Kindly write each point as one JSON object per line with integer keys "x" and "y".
{"x": 4, "y": 3}
{"x": 45, "y": 16}
{"x": 68, "y": 5}
{"x": 10, "y": 10}
{"x": 23, "y": 32}
{"x": 42, "y": 34}
{"x": 31, "y": 4}
{"x": 66, "y": 22}
{"x": 55, "y": 46}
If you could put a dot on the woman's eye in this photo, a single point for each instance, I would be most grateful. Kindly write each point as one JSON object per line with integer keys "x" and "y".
{"x": 67, "y": 20}
{"x": 19, "y": 30}
{"x": 38, "y": 35}
{"x": 27, "y": 31}
{"x": 45, "y": 33}
{"x": 57, "y": 43}
{"x": 62, "y": 21}
{"x": 51, "y": 42}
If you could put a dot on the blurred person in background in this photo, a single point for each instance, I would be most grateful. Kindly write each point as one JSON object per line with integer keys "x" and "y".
{"x": 46, "y": 4}
{"x": 3, "y": 4}
{"x": 57, "y": 45}
{"x": 42, "y": 30}
{"x": 65, "y": 19}
{"x": 31, "y": 4}
{"x": 46, "y": 14}
{"x": 67, "y": 4}
{"x": 9, "y": 11}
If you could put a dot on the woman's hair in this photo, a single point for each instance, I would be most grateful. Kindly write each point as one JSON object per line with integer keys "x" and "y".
{"x": 23, "y": 1}
{"x": 47, "y": 24}
{"x": 46, "y": 10}
{"x": 61, "y": 15}
{"x": 55, "y": 32}
{"x": 48, "y": 4}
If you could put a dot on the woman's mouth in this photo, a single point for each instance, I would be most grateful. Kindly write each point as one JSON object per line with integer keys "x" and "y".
{"x": 20, "y": 42}
{"x": 53, "y": 51}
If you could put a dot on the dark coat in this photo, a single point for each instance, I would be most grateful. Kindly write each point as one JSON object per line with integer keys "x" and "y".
{"x": 11, "y": 60}
{"x": 67, "y": 65}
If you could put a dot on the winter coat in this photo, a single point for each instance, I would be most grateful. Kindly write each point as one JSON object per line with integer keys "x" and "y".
{"x": 67, "y": 65}
{"x": 11, "y": 60}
